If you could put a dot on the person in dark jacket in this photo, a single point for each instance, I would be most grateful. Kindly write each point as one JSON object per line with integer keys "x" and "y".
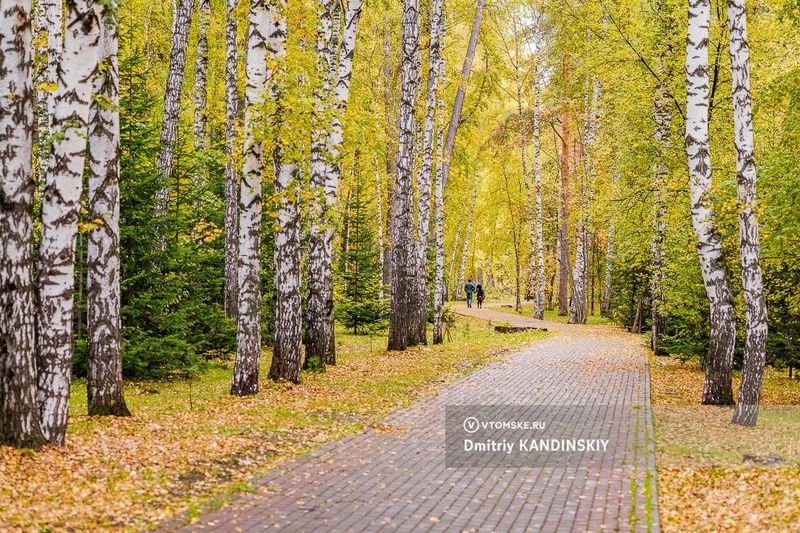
{"x": 469, "y": 288}
{"x": 480, "y": 295}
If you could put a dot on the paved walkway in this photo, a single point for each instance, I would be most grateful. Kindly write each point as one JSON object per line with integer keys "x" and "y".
{"x": 398, "y": 481}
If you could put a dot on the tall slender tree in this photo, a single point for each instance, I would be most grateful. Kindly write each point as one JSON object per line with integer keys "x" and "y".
{"x": 563, "y": 230}
{"x": 50, "y": 18}
{"x": 172, "y": 107}
{"x": 201, "y": 78}
{"x": 19, "y": 416}
{"x": 463, "y": 271}
{"x": 286, "y": 354}
{"x": 750, "y": 257}
{"x": 231, "y": 175}
{"x": 402, "y": 230}
{"x": 60, "y": 211}
{"x": 104, "y": 355}
{"x": 717, "y": 389}
{"x": 458, "y": 104}
{"x": 319, "y": 307}
{"x": 439, "y": 287}
{"x": 262, "y": 24}
{"x": 537, "y": 178}
{"x": 425, "y": 179}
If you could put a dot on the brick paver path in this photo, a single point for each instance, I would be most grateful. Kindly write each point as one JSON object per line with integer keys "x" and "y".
{"x": 397, "y": 480}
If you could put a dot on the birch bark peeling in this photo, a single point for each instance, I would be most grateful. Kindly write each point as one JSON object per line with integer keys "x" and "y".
{"x": 717, "y": 389}
{"x": 746, "y": 413}
{"x": 19, "y": 415}
{"x": 61, "y": 205}
{"x": 104, "y": 354}
{"x": 537, "y": 177}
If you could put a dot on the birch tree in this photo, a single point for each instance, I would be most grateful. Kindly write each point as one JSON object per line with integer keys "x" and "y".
{"x": 458, "y": 104}
{"x": 172, "y": 107}
{"x": 750, "y": 258}
{"x": 104, "y": 356}
{"x": 538, "y": 311}
{"x": 286, "y": 354}
{"x": 321, "y": 343}
{"x": 201, "y": 76}
{"x": 19, "y": 416}
{"x": 425, "y": 179}
{"x": 662, "y": 117}
{"x": 50, "y": 18}
{"x": 231, "y": 176}
{"x": 319, "y": 309}
{"x": 403, "y": 270}
{"x": 463, "y": 271}
{"x": 60, "y": 210}
{"x": 439, "y": 288}
{"x": 717, "y": 389}
{"x": 563, "y": 230}
{"x": 263, "y": 23}
{"x": 605, "y": 305}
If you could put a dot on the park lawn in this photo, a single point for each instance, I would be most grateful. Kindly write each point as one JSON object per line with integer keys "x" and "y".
{"x": 527, "y": 310}
{"x": 189, "y": 443}
{"x": 704, "y": 482}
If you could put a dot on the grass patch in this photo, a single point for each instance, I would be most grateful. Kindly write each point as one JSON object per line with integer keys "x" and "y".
{"x": 705, "y": 480}
{"x": 189, "y": 443}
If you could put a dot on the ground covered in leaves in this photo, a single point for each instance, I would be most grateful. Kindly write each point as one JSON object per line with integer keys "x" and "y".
{"x": 714, "y": 476}
{"x": 191, "y": 442}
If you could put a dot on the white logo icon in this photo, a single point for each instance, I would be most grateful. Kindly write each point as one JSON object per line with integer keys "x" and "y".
{"x": 471, "y": 424}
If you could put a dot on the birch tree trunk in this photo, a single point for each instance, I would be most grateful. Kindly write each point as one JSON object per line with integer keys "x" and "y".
{"x": 50, "y": 19}
{"x": 458, "y": 104}
{"x": 563, "y": 232}
{"x": 172, "y": 108}
{"x": 538, "y": 311}
{"x": 60, "y": 210}
{"x": 262, "y": 23}
{"x": 750, "y": 257}
{"x": 379, "y": 214}
{"x": 403, "y": 271}
{"x": 319, "y": 307}
{"x": 717, "y": 389}
{"x": 321, "y": 343}
{"x": 19, "y": 416}
{"x": 201, "y": 78}
{"x": 104, "y": 356}
{"x": 453, "y": 258}
{"x": 605, "y": 306}
{"x": 662, "y": 117}
{"x": 463, "y": 271}
{"x": 287, "y": 352}
{"x": 525, "y": 177}
{"x": 231, "y": 176}
{"x": 425, "y": 180}
{"x": 439, "y": 287}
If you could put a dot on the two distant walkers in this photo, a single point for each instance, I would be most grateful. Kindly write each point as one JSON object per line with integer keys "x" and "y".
{"x": 470, "y": 289}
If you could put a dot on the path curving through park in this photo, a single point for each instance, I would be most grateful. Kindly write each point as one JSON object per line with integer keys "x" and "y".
{"x": 397, "y": 479}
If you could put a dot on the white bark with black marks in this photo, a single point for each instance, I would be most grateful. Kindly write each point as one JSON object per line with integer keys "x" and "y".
{"x": 231, "y": 175}
{"x": 319, "y": 306}
{"x": 287, "y": 352}
{"x": 248, "y": 338}
{"x": 439, "y": 287}
{"x": 172, "y": 108}
{"x": 750, "y": 257}
{"x": 104, "y": 355}
{"x": 60, "y": 211}
{"x": 19, "y": 415}
{"x": 717, "y": 389}
{"x": 403, "y": 271}
{"x": 201, "y": 79}
{"x": 538, "y": 311}
{"x": 425, "y": 180}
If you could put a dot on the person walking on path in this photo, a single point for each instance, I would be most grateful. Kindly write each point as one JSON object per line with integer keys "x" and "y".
{"x": 480, "y": 295}
{"x": 469, "y": 288}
